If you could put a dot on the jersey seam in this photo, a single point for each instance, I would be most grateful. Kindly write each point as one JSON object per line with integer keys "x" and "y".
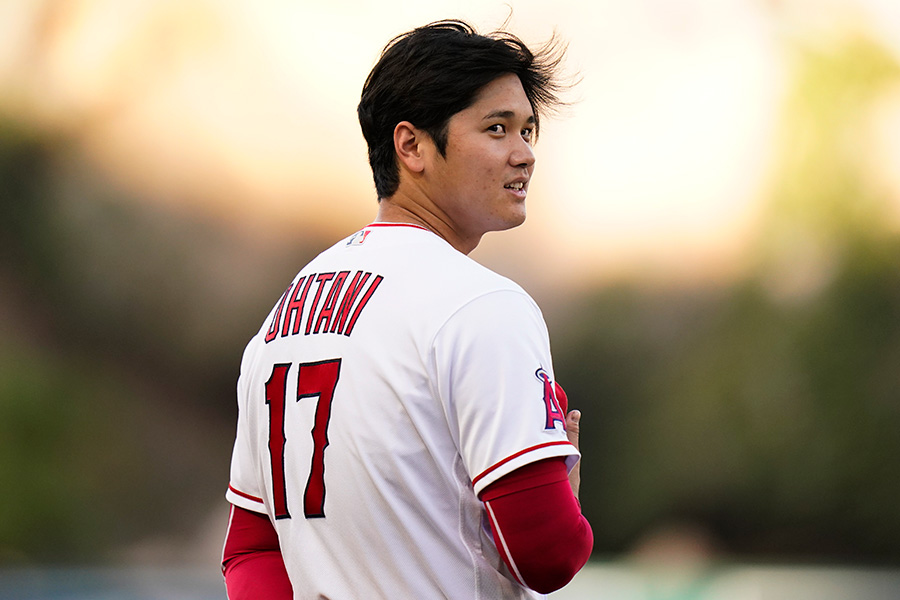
{"x": 518, "y": 292}
{"x": 462, "y": 532}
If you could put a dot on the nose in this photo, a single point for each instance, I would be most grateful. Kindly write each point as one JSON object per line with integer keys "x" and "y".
{"x": 522, "y": 155}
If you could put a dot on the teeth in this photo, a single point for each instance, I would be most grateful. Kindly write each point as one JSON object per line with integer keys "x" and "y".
{"x": 516, "y": 186}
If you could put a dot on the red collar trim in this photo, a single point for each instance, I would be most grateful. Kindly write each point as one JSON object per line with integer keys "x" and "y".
{"x": 413, "y": 225}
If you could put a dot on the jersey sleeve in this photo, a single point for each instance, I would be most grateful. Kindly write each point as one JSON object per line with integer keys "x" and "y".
{"x": 495, "y": 379}
{"x": 244, "y": 485}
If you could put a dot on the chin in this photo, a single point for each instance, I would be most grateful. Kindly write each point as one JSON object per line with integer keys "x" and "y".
{"x": 519, "y": 217}
{"x": 512, "y": 222}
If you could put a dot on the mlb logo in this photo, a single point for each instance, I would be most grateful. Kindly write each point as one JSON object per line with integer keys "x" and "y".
{"x": 358, "y": 238}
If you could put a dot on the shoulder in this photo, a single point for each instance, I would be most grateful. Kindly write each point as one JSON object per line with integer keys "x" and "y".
{"x": 480, "y": 295}
{"x": 504, "y": 315}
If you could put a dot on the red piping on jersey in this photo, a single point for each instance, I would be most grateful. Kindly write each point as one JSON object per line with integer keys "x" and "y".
{"x": 396, "y": 225}
{"x": 516, "y": 455}
{"x": 243, "y": 495}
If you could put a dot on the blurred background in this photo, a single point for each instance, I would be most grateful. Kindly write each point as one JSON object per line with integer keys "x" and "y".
{"x": 713, "y": 234}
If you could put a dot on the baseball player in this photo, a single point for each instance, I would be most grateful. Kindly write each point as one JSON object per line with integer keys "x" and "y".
{"x": 400, "y": 433}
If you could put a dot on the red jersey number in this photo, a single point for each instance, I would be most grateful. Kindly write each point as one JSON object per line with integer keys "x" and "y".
{"x": 314, "y": 380}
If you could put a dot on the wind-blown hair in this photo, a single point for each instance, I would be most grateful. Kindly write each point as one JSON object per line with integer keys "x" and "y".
{"x": 429, "y": 74}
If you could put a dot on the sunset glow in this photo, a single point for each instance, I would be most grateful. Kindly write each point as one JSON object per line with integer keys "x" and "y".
{"x": 247, "y": 110}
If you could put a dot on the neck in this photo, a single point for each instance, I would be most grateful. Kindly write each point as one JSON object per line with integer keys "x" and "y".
{"x": 405, "y": 208}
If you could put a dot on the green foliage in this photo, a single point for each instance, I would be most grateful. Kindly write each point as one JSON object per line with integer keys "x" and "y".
{"x": 822, "y": 194}
{"x": 27, "y": 238}
{"x": 63, "y": 457}
{"x": 774, "y": 425}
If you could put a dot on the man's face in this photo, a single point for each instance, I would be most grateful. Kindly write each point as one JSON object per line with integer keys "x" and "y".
{"x": 482, "y": 182}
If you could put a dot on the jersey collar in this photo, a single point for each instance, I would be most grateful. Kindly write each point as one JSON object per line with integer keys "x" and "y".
{"x": 381, "y": 224}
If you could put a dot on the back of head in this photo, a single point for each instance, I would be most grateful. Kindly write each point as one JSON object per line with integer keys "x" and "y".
{"x": 431, "y": 73}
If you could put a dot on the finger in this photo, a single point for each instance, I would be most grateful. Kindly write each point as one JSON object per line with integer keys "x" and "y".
{"x": 573, "y": 426}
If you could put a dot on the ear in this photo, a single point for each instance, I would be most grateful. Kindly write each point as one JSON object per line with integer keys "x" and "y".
{"x": 408, "y": 144}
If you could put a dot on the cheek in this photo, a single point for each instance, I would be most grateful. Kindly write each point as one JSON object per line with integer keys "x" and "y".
{"x": 476, "y": 176}
{"x": 481, "y": 172}
{"x": 488, "y": 170}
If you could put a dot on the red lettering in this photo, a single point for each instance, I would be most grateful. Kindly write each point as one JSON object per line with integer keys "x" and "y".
{"x": 330, "y": 301}
{"x": 322, "y": 279}
{"x": 295, "y": 307}
{"x": 350, "y": 295}
{"x": 362, "y": 304}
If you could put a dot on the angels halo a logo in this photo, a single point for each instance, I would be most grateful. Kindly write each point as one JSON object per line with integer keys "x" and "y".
{"x": 551, "y": 404}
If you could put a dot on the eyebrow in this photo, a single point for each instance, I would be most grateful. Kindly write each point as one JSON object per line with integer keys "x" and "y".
{"x": 505, "y": 114}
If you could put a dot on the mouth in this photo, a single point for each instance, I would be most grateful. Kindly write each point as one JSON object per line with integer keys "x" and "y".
{"x": 518, "y": 189}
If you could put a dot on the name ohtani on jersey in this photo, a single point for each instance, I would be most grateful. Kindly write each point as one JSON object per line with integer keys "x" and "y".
{"x": 338, "y": 312}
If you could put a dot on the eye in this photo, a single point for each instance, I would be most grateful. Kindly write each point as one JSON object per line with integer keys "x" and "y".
{"x": 528, "y": 133}
{"x": 497, "y": 128}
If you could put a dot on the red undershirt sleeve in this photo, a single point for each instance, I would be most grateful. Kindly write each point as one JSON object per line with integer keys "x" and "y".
{"x": 251, "y": 560}
{"x": 537, "y": 524}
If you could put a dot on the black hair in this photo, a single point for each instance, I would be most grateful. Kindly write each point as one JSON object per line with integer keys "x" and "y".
{"x": 429, "y": 74}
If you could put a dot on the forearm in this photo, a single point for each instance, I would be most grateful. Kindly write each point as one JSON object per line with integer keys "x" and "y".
{"x": 251, "y": 561}
{"x": 538, "y": 527}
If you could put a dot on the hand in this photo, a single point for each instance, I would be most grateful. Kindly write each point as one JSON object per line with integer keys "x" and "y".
{"x": 573, "y": 419}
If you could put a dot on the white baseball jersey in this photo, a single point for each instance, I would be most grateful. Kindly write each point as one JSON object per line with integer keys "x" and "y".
{"x": 393, "y": 381}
